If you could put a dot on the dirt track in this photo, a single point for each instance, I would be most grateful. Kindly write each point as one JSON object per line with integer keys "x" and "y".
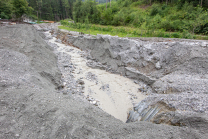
{"x": 31, "y": 106}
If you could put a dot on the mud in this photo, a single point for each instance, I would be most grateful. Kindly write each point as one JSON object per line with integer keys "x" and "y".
{"x": 113, "y": 93}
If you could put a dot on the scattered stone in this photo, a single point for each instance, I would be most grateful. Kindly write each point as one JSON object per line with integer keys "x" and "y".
{"x": 105, "y": 87}
{"x": 91, "y": 77}
{"x": 157, "y": 65}
{"x": 81, "y": 82}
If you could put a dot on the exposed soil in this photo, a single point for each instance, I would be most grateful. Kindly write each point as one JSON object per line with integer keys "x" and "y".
{"x": 113, "y": 93}
{"x": 34, "y": 102}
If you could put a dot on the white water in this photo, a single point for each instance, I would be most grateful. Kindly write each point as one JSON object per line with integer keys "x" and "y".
{"x": 119, "y": 94}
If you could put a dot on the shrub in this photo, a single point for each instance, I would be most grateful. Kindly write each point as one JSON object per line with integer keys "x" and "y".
{"x": 4, "y": 16}
{"x": 167, "y": 36}
{"x": 155, "y": 10}
{"x": 176, "y": 35}
{"x": 116, "y": 21}
{"x": 138, "y": 21}
{"x": 187, "y": 35}
{"x": 161, "y": 33}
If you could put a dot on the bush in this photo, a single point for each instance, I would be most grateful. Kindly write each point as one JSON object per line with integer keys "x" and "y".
{"x": 167, "y": 36}
{"x": 165, "y": 24}
{"x": 126, "y": 3}
{"x": 117, "y": 20}
{"x": 155, "y": 10}
{"x": 138, "y": 21}
{"x": 161, "y": 33}
{"x": 4, "y": 16}
{"x": 203, "y": 29}
{"x": 176, "y": 35}
{"x": 187, "y": 35}
{"x": 177, "y": 24}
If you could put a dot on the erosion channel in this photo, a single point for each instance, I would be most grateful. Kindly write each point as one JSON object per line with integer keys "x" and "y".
{"x": 113, "y": 93}
{"x": 59, "y": 84}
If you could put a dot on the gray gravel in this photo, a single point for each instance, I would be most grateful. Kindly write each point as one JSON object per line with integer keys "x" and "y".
{"x": 173, "y": 71}
{"x": 32, "y": 105}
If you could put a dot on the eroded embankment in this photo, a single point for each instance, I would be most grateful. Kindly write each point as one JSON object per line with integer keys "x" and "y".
{"x": 176, "y": 71}
{"x": 113, "y": 93}
{"x": 31, "y": 107}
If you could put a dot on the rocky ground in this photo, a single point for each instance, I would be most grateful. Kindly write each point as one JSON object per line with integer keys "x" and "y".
{"x": 35, "y": 102}
{"x": 112, "y": 93}
{"x": 174, "y": 71}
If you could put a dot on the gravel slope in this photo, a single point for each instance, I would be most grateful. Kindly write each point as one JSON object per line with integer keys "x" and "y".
{"x": 32, "y": 107}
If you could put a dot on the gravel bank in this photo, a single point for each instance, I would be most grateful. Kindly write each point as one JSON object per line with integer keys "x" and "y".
{"x": 33, "y": 105}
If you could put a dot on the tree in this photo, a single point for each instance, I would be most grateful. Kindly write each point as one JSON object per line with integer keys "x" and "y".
{"x": 39, "y": 5}
{"x": 201, "y": 18}
{"x": 5, "y": 9}
{"x": 20, "y": 7}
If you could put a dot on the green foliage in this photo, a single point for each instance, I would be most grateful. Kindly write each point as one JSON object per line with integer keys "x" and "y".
{"x": 203, "y": 29}
{"x": 20, "y": 7}
{"x": 176, "y": 35}
{"x": 152, "y": 18}
{"x": 124, "y": 31}
{"x": 4, "y": 16}
{"x": 187, "y": 35}
{"x": 86, "y": 9}
{"x": 8, "y": 8}
{"x": 155, "y": 10}
{"x": 5, "y": 9}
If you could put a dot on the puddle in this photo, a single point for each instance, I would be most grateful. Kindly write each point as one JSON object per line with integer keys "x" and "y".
{"x": 113, "y": 93}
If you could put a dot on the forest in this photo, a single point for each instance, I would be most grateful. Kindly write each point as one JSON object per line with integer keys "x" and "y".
{"x": 184, "y": 17}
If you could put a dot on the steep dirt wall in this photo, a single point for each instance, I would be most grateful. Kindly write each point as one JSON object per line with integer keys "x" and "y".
{"x": 168, "y": 67}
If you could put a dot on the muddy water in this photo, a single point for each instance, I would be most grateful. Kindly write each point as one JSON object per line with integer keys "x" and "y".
{"x": 113, "y": 93}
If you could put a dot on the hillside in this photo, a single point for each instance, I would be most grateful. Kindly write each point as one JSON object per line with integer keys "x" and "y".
{"x": 184, "y": 17}
{"x": 181, "y": 16}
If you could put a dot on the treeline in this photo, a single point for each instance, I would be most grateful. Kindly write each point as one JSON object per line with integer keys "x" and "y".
{"x": 14, "y": 9}
{"x": 52, "y": 9}
{"x": 168, "y": 15}
{"x": 42, "y": 9}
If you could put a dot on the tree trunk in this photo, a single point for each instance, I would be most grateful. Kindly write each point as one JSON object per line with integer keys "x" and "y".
{"x": 166, "y": 2}
{"x": 37, "y": 14}
{"x": 66, "y": 13}
{"x": 201, "y": 2}
{"x": 106, "y": 4}
{"x": 110, "y": 3}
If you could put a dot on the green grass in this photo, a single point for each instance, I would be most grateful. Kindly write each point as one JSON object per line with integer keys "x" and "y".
{"x": 124, "y": 31}
{"x": 95, "y": 32}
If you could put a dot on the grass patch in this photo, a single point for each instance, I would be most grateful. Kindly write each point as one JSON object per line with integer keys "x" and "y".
{"x": 95, "y": 32}
{"x": 123, "y": 31}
